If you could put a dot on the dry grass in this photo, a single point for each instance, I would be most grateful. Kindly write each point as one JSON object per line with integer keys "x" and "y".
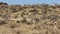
{"x": 30, "y": 19}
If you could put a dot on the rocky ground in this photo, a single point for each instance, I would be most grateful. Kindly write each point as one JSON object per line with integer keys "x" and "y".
{"x": 30, "y": 19}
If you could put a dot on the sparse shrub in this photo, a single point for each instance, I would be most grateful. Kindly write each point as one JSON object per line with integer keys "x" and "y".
{"x": 18, "y": 32}
{"x": 18, "y": 21}
{"x": 1, "y": 3}
{"x": 13, "y": 10}
{"x": 58, "y": 27}
{"x": 3, "y": 22}
{"x": 13, "y": 26}
{"x": 53, "y": 17}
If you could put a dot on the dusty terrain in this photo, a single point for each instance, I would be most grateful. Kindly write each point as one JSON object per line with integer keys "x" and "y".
{"x": 30, "y": 19}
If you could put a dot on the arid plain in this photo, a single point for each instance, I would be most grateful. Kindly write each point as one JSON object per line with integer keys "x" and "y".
{"x": 30, "y": 19}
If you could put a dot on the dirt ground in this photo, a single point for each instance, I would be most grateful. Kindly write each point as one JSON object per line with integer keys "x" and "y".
{"x": 30, "y": 19}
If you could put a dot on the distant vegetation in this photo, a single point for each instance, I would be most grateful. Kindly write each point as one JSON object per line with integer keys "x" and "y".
{"x": 29, "y": 19}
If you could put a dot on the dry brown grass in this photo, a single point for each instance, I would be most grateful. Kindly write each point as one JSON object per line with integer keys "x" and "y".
{"x": 30, "y": 19}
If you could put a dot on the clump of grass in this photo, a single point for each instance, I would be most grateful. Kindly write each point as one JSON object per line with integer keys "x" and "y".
{"x": 18, "y": 32}
{"x": 18, "y": 21}
{"x": 3, "y": 22}
{"x": 13, "y": 10}
{"x": 13, "y": 26}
